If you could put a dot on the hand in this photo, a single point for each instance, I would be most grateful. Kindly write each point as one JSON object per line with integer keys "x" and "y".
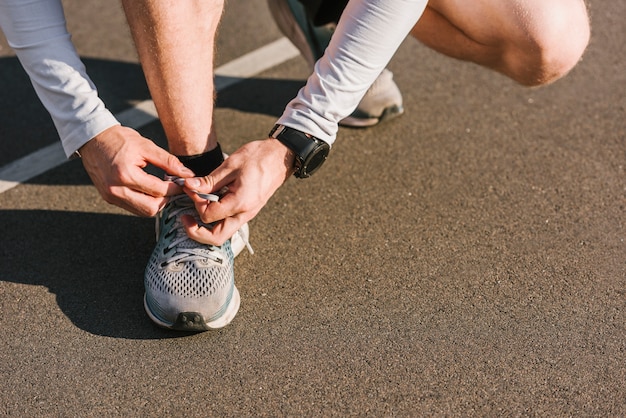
{"x": 115, "y": 160}
{"x": 252, "y": 174}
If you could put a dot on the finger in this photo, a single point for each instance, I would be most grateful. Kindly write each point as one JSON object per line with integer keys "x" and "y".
{"x": 212, "y": 183}
{"x": 211, "y": 211}
{"x": 173, "y": 189}
{"x": 200, "y": 202}
{"x": 166, "y": 161}
{"x": 217, "y": 235}
{"x": 198, "y": 232}
{"x": 138, "y": 203}
{"x": 216, "y": 211}
{"x": 151, "y": 185}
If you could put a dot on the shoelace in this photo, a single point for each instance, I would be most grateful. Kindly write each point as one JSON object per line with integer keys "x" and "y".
{"x": 190, "y": 250}
{"x": 181, "y": 182}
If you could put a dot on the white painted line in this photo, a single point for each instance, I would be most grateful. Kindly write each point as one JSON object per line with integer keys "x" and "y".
{"x": 233, "y": 72}
{"x": 255, "y": 62}
{"x": 139, "y": 115}
{"x": 32, "y": 165}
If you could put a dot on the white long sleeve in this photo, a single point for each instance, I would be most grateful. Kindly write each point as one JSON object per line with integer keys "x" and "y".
{"x": 36, "y": 31}
{"x": 368, "y": 34}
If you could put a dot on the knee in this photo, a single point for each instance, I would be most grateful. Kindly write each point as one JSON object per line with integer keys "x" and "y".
{"x": 553, "y": 44}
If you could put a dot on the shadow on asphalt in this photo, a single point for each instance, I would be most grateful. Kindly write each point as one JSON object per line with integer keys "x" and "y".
{"x": 118, "y": 83}
{"x": 265, "y": 96}
{"x": 92, "y": 262}
{"x": 25, "y": 125}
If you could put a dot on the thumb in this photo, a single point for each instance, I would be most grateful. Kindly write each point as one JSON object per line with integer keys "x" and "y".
{"x": 200, "y": 184}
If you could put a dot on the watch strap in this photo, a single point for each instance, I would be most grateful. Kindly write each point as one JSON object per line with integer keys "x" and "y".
{"x": 310, "y": 152}
{"x": 297, "y": 141}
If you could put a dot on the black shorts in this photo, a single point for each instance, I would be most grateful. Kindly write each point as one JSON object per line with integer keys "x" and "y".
{"x": 322, "y": 12}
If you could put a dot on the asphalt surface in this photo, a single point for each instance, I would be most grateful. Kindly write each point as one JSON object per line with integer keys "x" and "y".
{"x": 466, "y": 259}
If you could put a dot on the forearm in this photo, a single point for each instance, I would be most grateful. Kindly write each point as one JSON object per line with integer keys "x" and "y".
{"x": 368, "y": 34}
{"x": 38, "y": 35}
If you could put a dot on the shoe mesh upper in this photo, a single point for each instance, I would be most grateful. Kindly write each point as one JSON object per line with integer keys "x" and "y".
{"x": 184, "y": 275}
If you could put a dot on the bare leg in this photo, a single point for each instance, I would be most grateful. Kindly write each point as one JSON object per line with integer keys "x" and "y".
{"x": 175, "y": 42}
{"x": 532, "y": 41}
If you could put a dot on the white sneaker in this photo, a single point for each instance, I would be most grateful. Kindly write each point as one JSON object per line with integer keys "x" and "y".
{"x": 190, "y": 286}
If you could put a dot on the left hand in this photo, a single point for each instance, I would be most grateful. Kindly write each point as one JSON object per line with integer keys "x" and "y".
{"x": 252, "y": 174}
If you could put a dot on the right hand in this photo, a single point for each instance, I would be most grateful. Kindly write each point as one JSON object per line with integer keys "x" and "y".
{"x": 251, "y": 174}
{"x": 115, "y": 160}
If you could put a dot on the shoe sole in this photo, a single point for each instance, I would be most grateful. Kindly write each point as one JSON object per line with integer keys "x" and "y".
{"x": 361, "y": 120}
{"x": 194, "y": 321}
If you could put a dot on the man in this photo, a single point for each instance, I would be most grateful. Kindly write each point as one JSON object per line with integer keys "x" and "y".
{"x": 113, "y": 155}
{"x": 534, "y": 42}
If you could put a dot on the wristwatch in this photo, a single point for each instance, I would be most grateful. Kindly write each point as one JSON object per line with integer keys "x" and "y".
{"x": 310, "y": 152}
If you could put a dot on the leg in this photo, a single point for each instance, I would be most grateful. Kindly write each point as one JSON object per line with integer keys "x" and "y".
{"x": 189, "y": 286}
{"x": 532, "y": 41}
{"x": 175, "y": 42}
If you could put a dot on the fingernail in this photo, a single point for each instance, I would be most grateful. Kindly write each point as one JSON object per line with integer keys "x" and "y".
{"x": 193, "y": 182}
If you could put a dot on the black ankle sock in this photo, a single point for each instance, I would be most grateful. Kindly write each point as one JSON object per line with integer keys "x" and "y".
{"x": 203, "y": 164}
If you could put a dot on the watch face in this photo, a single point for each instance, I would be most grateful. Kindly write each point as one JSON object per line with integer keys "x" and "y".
{"x": 310, "y": 151}
{"x": 315, "y": 160}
